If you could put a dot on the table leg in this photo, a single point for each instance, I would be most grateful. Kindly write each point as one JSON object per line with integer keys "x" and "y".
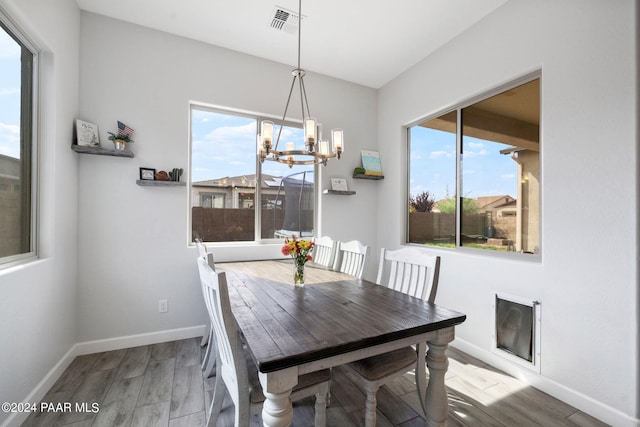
{"x": 277, "y": 410}
{"x": 436, "y": 402}
{"x": 421, "y": 375}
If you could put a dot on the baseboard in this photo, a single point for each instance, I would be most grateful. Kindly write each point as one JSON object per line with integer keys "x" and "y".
{"x": 578, "y": 400}
{"x": 117, "y": 343}
{"x": 39, "y": 391}
{"x": 98, "y": 346}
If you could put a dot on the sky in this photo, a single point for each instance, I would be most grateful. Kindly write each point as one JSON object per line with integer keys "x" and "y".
{"x": 9, "y": 96}
{"x": 485, "y": 172}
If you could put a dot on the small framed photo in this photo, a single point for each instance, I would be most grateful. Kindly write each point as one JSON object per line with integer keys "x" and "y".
{"x": 339, "y": 184}
{"x": 87, "y": 134}
{"x": 147, "y": 174}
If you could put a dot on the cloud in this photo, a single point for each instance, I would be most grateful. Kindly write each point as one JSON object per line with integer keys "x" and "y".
{"x": 10, "y": 140}
{"x": 469, "y": 154}
{"x": 224, "y": 134}
{"x": 9, "y": 91}
{"x": 473, "y": 149}
{"x": 439, "y": 154}
{"x": 508, "y": 176}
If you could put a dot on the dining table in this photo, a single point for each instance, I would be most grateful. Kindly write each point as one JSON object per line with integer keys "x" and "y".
{"x": 332, "y": 320}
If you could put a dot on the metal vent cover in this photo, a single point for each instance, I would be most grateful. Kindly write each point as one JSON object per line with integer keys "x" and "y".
{"x": 283, "y": 19}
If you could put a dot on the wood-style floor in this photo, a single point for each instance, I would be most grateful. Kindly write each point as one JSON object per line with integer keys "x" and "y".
{"x": 162, "y": 385}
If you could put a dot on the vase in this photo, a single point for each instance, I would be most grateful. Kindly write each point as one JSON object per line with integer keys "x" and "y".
{"x": 298, "y": 276}
{"x": 119, "y": 144}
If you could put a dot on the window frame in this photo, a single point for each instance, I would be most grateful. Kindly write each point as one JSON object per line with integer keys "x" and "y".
{"x": 258, "y": 117}
{"x": 458, "y": 108}
{"x": 29, "y": 140}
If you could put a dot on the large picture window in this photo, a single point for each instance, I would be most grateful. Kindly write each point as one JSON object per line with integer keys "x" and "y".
{"x": 17, "y": 140}
{"x": 236, "y": 198}
{"x": 474, "y": 174}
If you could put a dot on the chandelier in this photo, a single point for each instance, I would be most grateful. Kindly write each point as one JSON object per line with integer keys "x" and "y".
{"x": 317, "y": 150}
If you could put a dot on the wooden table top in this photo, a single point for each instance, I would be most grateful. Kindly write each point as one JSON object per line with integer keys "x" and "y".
{"x": 332, "y": 314}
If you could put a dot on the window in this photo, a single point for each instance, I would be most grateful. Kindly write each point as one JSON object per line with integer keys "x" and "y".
{"x": 474, "y": 174}
{"x": 17, "y": 141}
{"x": 227, "y": 180}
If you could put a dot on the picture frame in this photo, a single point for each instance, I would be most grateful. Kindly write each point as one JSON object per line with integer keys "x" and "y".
{"x": 87, "y": 134}
{"x": 147, "y": 174}
{"x": 371, "y": 162}
{"x": 339, "y": 184}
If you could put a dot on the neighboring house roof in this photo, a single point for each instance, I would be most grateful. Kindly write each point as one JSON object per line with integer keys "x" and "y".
{"x": 241, "y": 181}
{"x": 492, "y": 202}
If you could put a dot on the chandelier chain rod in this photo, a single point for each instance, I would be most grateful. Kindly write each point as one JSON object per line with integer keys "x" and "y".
{"x": 302, "y": 97}
{"x": 286, "y": 107}
{"x": 299, "y": 29}
{"x": 303, "y": 93}
{"x": 303, "y": 89}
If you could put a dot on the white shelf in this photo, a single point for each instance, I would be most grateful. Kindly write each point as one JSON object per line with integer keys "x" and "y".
{"x": 101, "y": 151}
{"x": 154, "y": 183}
{"x": 342, "y": 193}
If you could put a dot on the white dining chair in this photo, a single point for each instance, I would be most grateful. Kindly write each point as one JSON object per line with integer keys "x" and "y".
{"x": 204, "y": 252}
{"x": 352, "y": 257}
{"x": 235, "y": 371}
{"x": 412, "y": 272}
{"x": 209, "y": 360}
{"x": 325, "y": 251}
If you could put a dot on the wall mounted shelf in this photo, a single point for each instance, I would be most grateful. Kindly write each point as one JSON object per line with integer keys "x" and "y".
{"x": 99, "y": 151}
{"x": 153, "y": 183}
{"x": 342, "y": 193}
{"x": 363, "y": 176}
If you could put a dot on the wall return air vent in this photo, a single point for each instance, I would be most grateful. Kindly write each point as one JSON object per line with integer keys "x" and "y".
{"x": 283, "y": 19}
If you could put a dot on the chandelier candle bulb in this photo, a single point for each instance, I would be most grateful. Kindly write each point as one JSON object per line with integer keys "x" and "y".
{"x": 324, "y": 147}
{"x": 267, "y": 133}
{"x": 338, "y": 143}
{"x": 310, "y": 129}
{"x": 259, "y": 145}
{"x": 290, "y": 147}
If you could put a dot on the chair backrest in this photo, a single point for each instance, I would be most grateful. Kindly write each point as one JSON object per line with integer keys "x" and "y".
{"x": 325, "y": 251}
{"x": 352, "y": 257}
{"x": 202, "y": 252}
{"x": 411, "y": 271}
{"x": 230, "y": 353}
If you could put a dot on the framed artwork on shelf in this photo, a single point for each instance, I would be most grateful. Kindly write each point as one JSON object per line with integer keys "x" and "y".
{"x": 87, "y": 134}
{"x": 147, "y": 174}
{"x": 339, "y": 184}
{"x": 371, "y": 163}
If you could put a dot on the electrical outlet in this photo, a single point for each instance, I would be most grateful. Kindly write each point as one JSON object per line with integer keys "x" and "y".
{"x": 163, "y": 306}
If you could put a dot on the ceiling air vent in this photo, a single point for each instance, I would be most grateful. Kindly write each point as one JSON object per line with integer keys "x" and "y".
{"x": 284, "y": 20}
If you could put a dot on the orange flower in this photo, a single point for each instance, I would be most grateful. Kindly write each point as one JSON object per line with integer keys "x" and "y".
{"x": 300, "y": 250}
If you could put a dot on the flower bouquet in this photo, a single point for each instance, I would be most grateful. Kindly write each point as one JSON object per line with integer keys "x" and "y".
{"x": 300, "y": 251}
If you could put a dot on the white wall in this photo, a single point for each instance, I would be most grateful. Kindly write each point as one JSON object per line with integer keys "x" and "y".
{"x": 38, "y": 316}
{"x": 587, "y": 280}
{"x": 133, "y": 240}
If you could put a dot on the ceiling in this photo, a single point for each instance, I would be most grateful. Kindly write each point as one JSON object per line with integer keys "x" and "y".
{"x": 368, "y": 42}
